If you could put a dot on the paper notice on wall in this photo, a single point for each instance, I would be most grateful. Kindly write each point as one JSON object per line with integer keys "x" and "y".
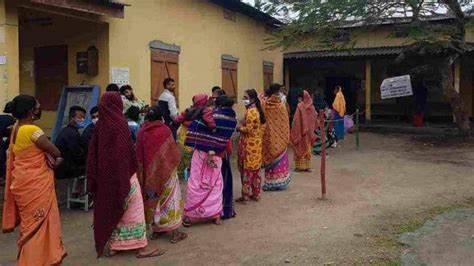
{"x": 120, "y": 75}
{"x": 396, "y": 87}
{"x": 3, "y": 59}
{"x": 2, "y": 34}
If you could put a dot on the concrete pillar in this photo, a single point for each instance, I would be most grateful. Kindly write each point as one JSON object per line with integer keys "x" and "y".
{"x": 9, "y": 52}
{"x": 368, "y": 90}
{"x": 457, "y": 76}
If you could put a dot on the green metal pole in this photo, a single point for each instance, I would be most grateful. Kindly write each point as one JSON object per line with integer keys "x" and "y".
{"x": 357, "y": 129}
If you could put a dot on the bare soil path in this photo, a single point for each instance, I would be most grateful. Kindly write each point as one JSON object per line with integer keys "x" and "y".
{"x": 371, "y": 191}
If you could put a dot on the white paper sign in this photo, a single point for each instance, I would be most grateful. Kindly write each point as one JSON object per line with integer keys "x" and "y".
{"x": 396, "y": 87}
{"x": 120, "y": 75}
{"x": 3, "y": 59}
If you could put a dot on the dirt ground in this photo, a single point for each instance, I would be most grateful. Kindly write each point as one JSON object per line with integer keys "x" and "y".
{"x": 389, "y": 181}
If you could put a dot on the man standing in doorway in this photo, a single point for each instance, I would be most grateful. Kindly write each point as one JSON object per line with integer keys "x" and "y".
{"x": 167, "y": 104}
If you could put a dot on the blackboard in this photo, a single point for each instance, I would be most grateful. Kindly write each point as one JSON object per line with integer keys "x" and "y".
{"x": 85, "y": 96}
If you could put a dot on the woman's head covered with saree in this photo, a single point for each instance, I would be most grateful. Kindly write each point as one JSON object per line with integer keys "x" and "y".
{"x": 200, "y": 100}
{"x": 304, "y": 125}
{"x": 277, "y": 132}
{"x": 110, "y": 165}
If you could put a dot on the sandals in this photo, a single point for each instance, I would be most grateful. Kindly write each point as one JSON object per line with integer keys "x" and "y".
{"x": 187, "y": 223}
{"x": 217, "y": 221}
{"x": 110, "y": 253}
{"x": 242, "y": 200}
{"x": 177, "y": 237}
{"x": 155, "y": 253}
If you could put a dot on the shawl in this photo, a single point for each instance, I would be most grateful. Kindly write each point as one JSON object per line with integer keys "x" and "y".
{"x": 277, "y": 131}
{"x": 202, "y": 138}
{"x": 200, "y": 100}
{"x": 303, "y": 133}
{"x": 195, "y": 111}
{"x": 111, "y": 163}
{"x": 158, "y": 156}
{"x": 339, "y": 104}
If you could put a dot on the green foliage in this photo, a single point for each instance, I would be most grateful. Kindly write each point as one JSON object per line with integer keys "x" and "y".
{"x": 315, "y": 23}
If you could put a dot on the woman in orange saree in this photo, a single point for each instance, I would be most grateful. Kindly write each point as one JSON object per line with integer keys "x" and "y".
{"x": 30, "y": 198}
{"x": 276, "y": 138}
{"x": 303, "y": 133}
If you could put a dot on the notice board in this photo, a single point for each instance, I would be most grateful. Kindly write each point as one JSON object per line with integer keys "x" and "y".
{"x": 396, "y": 87}
{"x": 85, "y": 96}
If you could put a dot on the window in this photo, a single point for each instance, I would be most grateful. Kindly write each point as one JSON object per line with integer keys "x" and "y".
{"x": 164, "y": 64}
{"x": 229, "y": 75}
{"x": 267, "y": 74}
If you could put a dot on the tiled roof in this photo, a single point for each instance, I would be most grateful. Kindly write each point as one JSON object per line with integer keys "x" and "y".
{"x": 248, "y": 10}
{"x": 375, "y": 51}
{"x": 356, "y": 52}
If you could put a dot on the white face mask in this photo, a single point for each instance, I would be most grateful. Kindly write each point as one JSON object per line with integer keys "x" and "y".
{"x": 95, "y": 120}
{"x": 246, "y": 102}
{"x": 283, "y": 97}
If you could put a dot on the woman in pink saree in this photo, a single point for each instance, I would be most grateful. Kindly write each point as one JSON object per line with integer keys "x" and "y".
{"x": 205, "y": 185}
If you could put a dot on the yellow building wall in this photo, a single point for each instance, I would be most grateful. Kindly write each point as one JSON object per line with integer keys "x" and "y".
{"x": 375, "y": 37}
{"x": 9, "y": 80}
{"x": 203, "y": 34}
{"x": 78, "y": 35}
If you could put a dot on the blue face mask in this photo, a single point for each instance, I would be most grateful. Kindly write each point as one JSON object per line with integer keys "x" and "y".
{"x": 81, "y": 124}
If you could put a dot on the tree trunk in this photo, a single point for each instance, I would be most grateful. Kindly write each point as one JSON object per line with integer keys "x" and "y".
{"x": 459, "y": 108}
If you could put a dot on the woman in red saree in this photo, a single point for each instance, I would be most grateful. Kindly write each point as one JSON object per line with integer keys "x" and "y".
{"x": 119, "y": 217}
{"x": 158, "y": 158}
{"x": 303, "y": 133}
{"x": 30, "y": 198}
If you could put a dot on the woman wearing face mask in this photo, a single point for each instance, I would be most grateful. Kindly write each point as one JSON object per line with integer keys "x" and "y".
{"x": 250, "y": 147}
{"x": 30, "y": 198}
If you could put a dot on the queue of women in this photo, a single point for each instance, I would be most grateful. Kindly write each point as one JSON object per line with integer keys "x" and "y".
{"x": 135, "y": 186}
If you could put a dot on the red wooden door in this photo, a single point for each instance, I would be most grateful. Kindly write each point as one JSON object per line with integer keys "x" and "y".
{"x": 229, "y": 78}
{"x": 51, "y": 74}
{"x": 267, "y": 76}
{"x": 164, "y": 65}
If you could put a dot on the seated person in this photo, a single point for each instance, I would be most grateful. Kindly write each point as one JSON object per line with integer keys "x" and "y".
{"x": 71, "y": 145}
{"x": 89, "y": 131}
{"x": 133, "y": 117}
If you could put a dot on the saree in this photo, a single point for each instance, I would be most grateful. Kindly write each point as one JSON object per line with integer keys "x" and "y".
{"x": 30, "y": 202}
{"x": 187, "y": 153}
{"x": 158, "y": 157}
{"x": 204, "y": 191}
{"x": 185, "y": 119}
{"x": 111, "y": 163}
{"x": 250, "y": 153}
{"x": 303, "y": 133}
{"x": 130, "y": 232}
{"x": 330, "y": 138}
{"x": 339, "y": 110}
{"x": 275, "y": 143}
{"x": 227, "y": 192}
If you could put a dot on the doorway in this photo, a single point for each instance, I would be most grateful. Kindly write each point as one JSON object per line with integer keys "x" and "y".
{"x": 51, "y": 74}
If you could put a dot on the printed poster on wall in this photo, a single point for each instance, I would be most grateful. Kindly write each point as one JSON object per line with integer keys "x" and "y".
{"x": 396, "y": 87}
{"x": 120, "y": 75}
